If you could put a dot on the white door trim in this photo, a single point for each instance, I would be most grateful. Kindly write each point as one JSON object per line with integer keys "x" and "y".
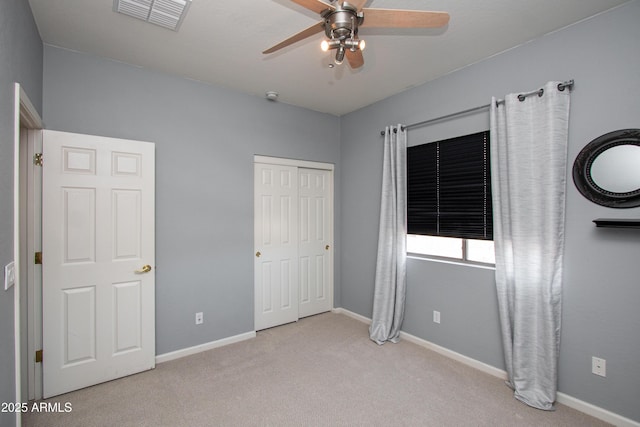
{"x": 292, "y": 162}
{"x": 31, "y": 241}
{"x": 25, "y": 115}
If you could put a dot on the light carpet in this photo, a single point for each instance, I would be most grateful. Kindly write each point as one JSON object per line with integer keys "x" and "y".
{"x": 320, "y": 371}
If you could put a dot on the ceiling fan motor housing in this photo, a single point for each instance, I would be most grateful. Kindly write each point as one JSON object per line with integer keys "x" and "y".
{"x": 342, "y": 22}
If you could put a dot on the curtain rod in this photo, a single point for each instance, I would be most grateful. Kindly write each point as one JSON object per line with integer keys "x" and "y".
{"x": 521, "y": 97}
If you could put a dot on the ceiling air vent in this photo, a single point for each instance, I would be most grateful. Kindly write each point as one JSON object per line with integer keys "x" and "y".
{"x": 165, "y": 13}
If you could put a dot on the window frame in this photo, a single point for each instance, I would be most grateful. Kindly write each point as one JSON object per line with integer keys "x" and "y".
{"x": 463, "y": 260}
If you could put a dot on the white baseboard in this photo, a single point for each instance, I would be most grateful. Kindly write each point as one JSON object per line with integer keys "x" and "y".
{"x": 204, "y": 347}
{"x": 353, "y": 315}
{"x": 562, "y": 398}
{"x": 481, "y": 366}
{"x": 595, "y": 411}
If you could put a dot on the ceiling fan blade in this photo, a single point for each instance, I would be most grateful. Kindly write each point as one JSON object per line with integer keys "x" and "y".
{"x": 315, "y": 28}
{"x": 315, "y": 5}
{"x": 358, "y": 4}
{"x": 356, "y": 60}
{"x": 394, "y": 18}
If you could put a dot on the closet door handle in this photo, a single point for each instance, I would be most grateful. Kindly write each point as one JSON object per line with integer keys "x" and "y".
{"x": 258, "y": 254}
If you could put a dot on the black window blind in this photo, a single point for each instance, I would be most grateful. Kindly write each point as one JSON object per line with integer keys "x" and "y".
{"x": 449, "y": 188}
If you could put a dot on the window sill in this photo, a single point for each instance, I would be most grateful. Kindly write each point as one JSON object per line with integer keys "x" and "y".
{"x": 452, "y": 261}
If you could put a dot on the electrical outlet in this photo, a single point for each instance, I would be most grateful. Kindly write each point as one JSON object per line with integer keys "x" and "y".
{"x": 436, "y": 316}
{"x": 599, "y": 366}
{"x": 9, "y": 275}
{"x": 199, "y": 318}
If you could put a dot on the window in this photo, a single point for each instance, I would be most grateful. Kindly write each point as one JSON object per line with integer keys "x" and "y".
{"x": 449, "y": 212}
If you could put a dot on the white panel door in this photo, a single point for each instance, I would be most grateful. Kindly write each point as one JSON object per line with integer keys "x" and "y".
{"x": 276, "y": 242}
{"x": 316, "y": 245}
{"x": 98, "y": 248}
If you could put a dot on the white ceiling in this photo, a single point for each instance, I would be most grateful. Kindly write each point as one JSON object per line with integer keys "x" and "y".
{"x": 221, "y": 42}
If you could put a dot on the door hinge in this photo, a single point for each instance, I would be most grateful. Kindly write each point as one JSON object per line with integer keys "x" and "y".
{"x": 39, "y": 356}
{"x": 38, "y": 258}
{"x": 38, "y": 159}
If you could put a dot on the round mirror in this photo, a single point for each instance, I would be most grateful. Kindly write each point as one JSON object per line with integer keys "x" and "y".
{"x": 617, "y": 169}
{"x": 607, "y": 170}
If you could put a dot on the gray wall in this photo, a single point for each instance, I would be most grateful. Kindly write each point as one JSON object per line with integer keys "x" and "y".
{"x": 205, "y": 138}
{"x": 602, "y": 273}
{"x": 20, "y": 61}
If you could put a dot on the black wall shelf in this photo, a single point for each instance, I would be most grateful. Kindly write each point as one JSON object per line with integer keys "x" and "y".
{"x": 617, "y": 223}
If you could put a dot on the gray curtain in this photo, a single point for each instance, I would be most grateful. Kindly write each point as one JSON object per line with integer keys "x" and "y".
{"x": 529, "y": 169}
{"x": 390, "y": 282}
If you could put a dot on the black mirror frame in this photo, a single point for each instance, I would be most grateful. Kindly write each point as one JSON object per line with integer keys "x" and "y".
{"x": 582, "y": 170}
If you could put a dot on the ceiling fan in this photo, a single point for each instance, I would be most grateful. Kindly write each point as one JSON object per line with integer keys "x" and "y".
{"x": 340, "y": 23}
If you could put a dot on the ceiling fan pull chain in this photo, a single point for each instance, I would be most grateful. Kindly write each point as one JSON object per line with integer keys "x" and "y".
{"x": 354, "y": 34}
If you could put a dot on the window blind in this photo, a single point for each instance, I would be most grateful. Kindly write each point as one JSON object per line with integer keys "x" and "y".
{"x": 449, "y": 188}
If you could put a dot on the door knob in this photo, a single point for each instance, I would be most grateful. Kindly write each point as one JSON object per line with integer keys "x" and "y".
{"x": 327, "y": 247}
{"x": 258, "y": 254}
{"x": 144, "y": 269}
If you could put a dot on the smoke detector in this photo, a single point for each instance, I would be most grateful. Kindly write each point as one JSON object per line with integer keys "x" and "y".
{"x": 271, "y": 95}
{"x": 165, "y": 13}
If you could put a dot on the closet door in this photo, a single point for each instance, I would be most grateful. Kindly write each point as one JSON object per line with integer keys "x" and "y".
{"x": 316, "y": 241}
{"x": 275, "y": 244}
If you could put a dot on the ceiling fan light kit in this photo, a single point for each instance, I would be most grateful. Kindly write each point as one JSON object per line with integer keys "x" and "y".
{"x": 341, "y": 28}
{"x": 341, "y": 21}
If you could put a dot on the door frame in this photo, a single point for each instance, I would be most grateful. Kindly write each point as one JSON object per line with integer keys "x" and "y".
{"x": 308, "y": 164}
{"x": 31, "y": 242}
{"x": 25, "y": 116}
